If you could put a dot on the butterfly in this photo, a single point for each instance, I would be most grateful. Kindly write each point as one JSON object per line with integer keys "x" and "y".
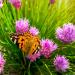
{"x": 28, "y": 43}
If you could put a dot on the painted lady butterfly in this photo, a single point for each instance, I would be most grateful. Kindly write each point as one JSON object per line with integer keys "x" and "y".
{"x": 28, "y": 43}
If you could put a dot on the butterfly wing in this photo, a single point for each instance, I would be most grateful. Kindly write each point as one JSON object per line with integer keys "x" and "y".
{"x": 28, "y": 43}
{"x": 35, "y": 46}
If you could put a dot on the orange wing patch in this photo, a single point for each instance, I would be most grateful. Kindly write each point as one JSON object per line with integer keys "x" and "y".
{"x": 28, "y": 43}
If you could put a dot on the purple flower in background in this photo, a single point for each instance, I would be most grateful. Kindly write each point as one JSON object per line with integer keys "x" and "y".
{"x": 1, "y": 3}
{"x": 34, "y": 31}
{"x": 61, "y": 63}
{"x": 16, "y": 3}
{"x": 52, "y": 1}
{"x": 48, "y": 47}
{"x": 22, "y": 26}
{"x": 66, "y": 34}
{"x": 2, "y": 63}
{"x": 33, "y": 57}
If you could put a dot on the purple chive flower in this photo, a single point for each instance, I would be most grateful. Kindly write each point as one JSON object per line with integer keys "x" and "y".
{"x": 2, "y": 63}
{"x": 61, "y": 63}
{"x": 22, "y": 26}
{"x": 34, "y": 31}
{"x": 16, "y": 3}
{"x": 1, "y": 3}
{"x": 66, "y": 34}
{"x": 52, "y": 1}
{"x": 48, "y": 47}
{"x": 33, "y": 57}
